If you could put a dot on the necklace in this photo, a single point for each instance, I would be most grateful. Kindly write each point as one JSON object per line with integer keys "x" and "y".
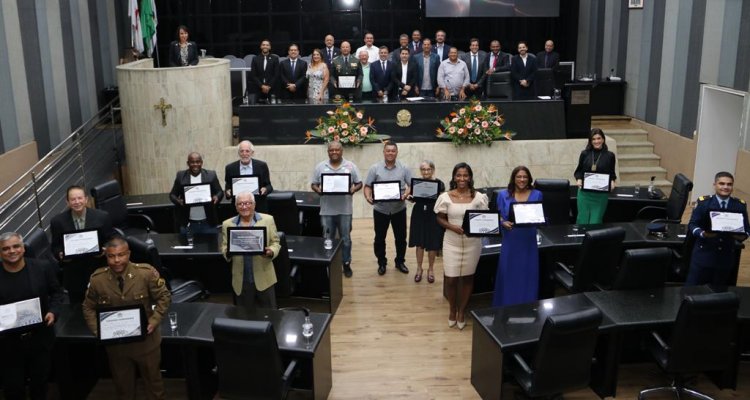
{"x": 594, "y": 161}
{"x": 461, "y": 195}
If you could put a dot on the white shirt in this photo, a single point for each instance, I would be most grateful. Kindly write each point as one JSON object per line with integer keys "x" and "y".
{"x": 372, "y": 52}
{"x": 404, "y": 70}
{"x": 197, "y": 213}
{"x": 524, "y": 59}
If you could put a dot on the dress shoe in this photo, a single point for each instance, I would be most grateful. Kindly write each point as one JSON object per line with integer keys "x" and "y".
{"x": 348, "y": 270}
{"x": 451, "y": 323}
{"x": 418, "y": 276}
{"x": 461, "y": 325}
{"x": 381, "y": 269}
{"x": 402, "y": 268}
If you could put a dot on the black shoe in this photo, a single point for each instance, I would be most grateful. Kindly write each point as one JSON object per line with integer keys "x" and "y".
{"x": 402, "y": 267}
{"x": 348, "y": 270}
{"x": 381, "y": 269}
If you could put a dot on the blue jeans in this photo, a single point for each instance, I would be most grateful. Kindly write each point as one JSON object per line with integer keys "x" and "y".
{"x": 344, "y": 225}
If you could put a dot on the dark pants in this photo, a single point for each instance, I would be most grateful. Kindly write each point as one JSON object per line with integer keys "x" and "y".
{"x": 475, "y": 93}
{"x": 367, "y": 95}
{"x": 27, "y": 356}
{"x": 76, "y": 274}
{"x": 716, "y": 273}
{"x": 398, "y": 222}
{"x": 252, "y": 298}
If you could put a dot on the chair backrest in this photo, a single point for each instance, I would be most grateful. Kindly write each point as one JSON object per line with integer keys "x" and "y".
{"x": 544, "y": 82}
{"x": 600, "y": 255}
{"x": 679, "y": 196}
{"x": 249, "y": 60}
{"x": 247, "y": 359}
{"x": 283, "y": 265}
{"x": 108, "y": 197}
{"x": 706, "y": 322}
{"x": 142, "y": 252}
{"x": 555, "y": 200}
{"x": 563, "y": 357}
{"x": 643, "y": 268}
{"x": 283, "y": 207}
{"x": 499, "y": 86}
{"x": 38, "y": 246}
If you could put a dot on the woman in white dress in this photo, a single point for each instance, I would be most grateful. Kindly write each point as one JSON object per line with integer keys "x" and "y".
{"x": 317, "y": 78}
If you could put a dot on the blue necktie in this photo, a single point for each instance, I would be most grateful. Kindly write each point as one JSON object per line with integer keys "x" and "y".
{"x": 474, "y": 68}
{"x": 723, "y": 204}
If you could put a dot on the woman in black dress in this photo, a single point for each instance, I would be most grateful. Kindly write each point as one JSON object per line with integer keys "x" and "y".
{"x": 183, "y": 52}
{"x": 424, "y": 231}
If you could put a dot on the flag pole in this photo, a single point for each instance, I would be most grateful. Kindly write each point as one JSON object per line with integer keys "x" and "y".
{"x": 156, "y": 49}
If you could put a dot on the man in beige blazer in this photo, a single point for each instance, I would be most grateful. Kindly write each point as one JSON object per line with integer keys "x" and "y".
{"x": 253, "y": 277}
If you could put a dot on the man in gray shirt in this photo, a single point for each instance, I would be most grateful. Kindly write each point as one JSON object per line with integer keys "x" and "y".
{"x": 453, "y": 76}
{"x": 390, "y": 212}
{"x": 336, "y": 210}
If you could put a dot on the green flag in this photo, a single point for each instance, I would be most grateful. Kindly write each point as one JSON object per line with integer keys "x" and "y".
{"x": 148, "y": 25}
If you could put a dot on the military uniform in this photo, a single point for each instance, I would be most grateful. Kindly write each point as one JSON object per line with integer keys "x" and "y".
{"x": 713, "y": 257}
{"x": 350, "y": 67}
{"x": 141, "y": 286}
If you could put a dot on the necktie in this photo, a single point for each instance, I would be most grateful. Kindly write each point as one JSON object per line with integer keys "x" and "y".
{"x": 474, "y": 68}
{"x": 293, "y": 63}
{"x": 346, "y": 60}
{"x": 383, "y": 66}
{"x": 330, "y": 55}
{"x": 723, "y": 204}
{"x": 120, "y": 283}
{"x": 546, "y": 60}
{"x": 494, "y": 63}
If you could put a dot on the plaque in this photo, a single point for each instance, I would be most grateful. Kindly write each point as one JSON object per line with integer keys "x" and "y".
{"x": 123, "y": 324}
{"x": 246, "y": 240}
{"x": 481, "y": 223}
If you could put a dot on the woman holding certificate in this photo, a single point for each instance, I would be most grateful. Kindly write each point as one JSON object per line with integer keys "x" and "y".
{"x": 424, "y": 231}
{"x": 460, "y": 253}
{"x": 595, "y": 177}
{"x": 517, "y": 278}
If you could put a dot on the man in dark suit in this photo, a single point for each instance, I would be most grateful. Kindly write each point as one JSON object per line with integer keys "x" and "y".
{"x": 404, "y": 76}
{"x": 265, "y": 72}
{"x": 329, "y": 53}
{"x": 27, "y": 354}
{"x": 522, "y": 70}
{"x": 426, "y": 60}
{"x": 475, "y": 59}
{"x": 76, "y": 271}
{"x": 415, "y": 46}
{"x": 497, "y": 60}
{"x": 380, "y": 74}
{"x": 247, "y": 165}
{"x": 403, "y": 42}
{"x": 293, "y": 78}
{"x": 548, "y": 58}
{"x": 441, "y": 48}
{"x": 199, "y": 218}
{"x": 346, "y": 65}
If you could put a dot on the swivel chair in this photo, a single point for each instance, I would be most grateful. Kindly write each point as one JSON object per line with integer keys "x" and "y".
{"x": 108, "y": 197}
{"x": 38, "y": 246}
{"x": 286, "y": 214}
{"x": 643, "y": 269}
{"x": 555, "y": 200}
{"x": 678, "y": 199}
{"x": 597, "y": 262}
{"x": 499, "y": 86}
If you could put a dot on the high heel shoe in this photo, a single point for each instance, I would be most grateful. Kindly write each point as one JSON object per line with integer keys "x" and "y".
{"x": 461, "y": 324}
{"x": 451, "y": 323}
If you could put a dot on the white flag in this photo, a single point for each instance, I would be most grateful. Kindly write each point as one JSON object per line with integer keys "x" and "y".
{"x": 136, "y": 34}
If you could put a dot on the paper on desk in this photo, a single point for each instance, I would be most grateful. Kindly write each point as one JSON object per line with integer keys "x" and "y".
{"x": 624, "y": 195}
{"x": 576, "y": 235}
{"x": 182, "y": 247}
{"x": 521, "y": 320}
{"x": 545, "y": 97}
{"x": 414, "y": 98}
{"x": 133, "y": 204}
{"x": 615, "y": 78}
{"x": 300, "y": 201}
{"x": 681, "y": 236}
{"x": 290, "y": 250}
{"x": 489, "y": 246}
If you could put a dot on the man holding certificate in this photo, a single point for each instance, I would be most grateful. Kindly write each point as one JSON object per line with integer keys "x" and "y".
{"x": 249, "y": 174}
{"x": 717, "y": 221}
{"x": 335, "y": 181}
{"x": 346, "y": 72}
{"x": 386, "y": 187}
{"x": 195, "y": 193}
{"x": 122, "y": 283}
{"x": 253, "y": 274}
{"x": 27, "y": 349}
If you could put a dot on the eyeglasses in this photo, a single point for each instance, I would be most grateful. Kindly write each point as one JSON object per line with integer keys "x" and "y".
{"x": 245, "y": 204}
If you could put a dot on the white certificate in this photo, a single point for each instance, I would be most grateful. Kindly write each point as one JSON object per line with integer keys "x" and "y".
{"x": 24, "y": 313}
{"x": 245, "y": 184}
{"x": 121, "y": 324}
{"x": 424, "y": 189}
{"x": 482, "y": 223}
{"x": 596, "y": 182}
{"x": 347, "y": 82}
{"x": 386, "y": 191}
{"x": 80, "y": 243}
{"x": 335, "y": 183}
{"x": 722, "y": 221}
{"x": 531, "y": 213}
{"x": 198, "y": 194}
{"x": 246, "y": 240}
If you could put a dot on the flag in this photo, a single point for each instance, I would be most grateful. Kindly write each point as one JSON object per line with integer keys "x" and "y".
{"x": 148, "y": 24}
{"x": 136, "y": 36}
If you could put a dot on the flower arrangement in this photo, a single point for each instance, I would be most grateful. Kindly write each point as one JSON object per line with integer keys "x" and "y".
{"x": 347, "y": 125}
{"x": 474, "y": 124}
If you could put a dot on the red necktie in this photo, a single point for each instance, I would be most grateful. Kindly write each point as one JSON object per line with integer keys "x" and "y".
{"x": 494, "y": 63}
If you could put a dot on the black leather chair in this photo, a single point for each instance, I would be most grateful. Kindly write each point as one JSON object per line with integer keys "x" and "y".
{"x": 108, "y": 197}
{"x": 555, "y": 200}
{"x": 38, "y": 246}
{"x": 286, "y": 214}
{"x": 643, "y": 268}
{"x": 285, "y": 271}
{"x": 703, "y": 340}
{"x": 544, "y": 82}
{"x": 563, "y": 356}
{"x": 678, "y": 199}
{"x": 183, "y": 291}
{"x": 597, "y": 263}
{"x": 499, "y": 86}
{"x": 248, "y": 360}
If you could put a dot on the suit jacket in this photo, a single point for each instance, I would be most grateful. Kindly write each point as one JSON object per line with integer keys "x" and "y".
{"x": 481, "y": 62}
{"x": 43, "y": 284}
{"x": 552, "y": 61}
{"x": 717, "y": 251}
{"x": 260, "y": 168}
{"x": 298, "y": 78}
{"x": 182, "y": 212}
{"x": 519, "y": 72}
{"x": 336, "y": 53}
{"x": 412, "y": 50}
{"x": 418, "y": 60}
{"x": 381, "y": 80}
{"x": 63, "y": 223}
{"x": 263, "y": 270}
{"x": 446, "y": 49}
{"x": 174, "y": 54}
{"x": 395, "y": 56}
{"x": 503, "y": 63}
{"x": 411, "y": 76}
{"x": 269, "y": 76}
{"x": 352, "y": 68}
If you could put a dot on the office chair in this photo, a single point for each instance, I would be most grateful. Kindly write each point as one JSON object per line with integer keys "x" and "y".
{"x": 285, "y": 271}
{"x": 38, "y": 246}
{"x": 563, "y": 356}
{"x": 597, "y": 262}
{"x": 286, "y": 214}
{"x": 109, "y": 198}
{"x": 678, "y": 199}
{"x": 248, "y": 360}
{"x": 499, "y": 86}
{"x": 703, "y": 340}
{"x": 643, "y": 269}
{"x": 555, "y": 200}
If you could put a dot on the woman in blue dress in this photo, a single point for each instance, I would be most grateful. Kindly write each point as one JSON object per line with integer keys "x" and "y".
{"x": 517, "y": 278}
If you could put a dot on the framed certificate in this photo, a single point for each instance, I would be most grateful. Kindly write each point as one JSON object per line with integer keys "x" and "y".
{"x": 594, "y": 182}
{"x": 81, "y": 243}
{"x": 246, "y": 240}
{"x": 423, "y": 189}
{"x": 530, "y": 213}
{"x": 347, "y": 82}
{"x": 20, "y": 316}
{"x": 335, "y": 183}
{"x": 386, "y": 191}
{"x": 123, "y": 324}
{"x": 723, "y": 221}
{"x": 247, "y": 183}
{"x": 481, "y": 223}
{"x": 198, "y": 194}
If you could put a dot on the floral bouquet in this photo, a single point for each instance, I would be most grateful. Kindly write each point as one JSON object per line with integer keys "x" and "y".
{"x": 347, "y": 125}
{"x": 474, "y": 124}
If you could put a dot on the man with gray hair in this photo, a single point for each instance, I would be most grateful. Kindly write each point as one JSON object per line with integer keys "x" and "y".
{"x": 249, "y": 166}
{"x": 336, "y": 210}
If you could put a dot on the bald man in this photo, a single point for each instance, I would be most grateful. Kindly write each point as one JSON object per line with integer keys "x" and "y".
{"x": 201, "y": 218}
{"x": 548, "y": 58}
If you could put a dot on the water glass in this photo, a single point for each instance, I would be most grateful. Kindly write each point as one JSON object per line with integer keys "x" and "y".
{"x": 172, "y": 320}
{"x": 637, "y": 189}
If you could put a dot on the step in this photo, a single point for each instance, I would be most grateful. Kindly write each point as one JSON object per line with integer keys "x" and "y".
{"x": 638, "y": 160}
{"x": 622, "y": 135}
{"x": 642, "y": 173}
{"x": 635, "y": 148}
{"x": 618, "y": 118}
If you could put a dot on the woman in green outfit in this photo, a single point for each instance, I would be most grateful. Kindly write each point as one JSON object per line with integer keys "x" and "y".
{"x": 595, "y": 158}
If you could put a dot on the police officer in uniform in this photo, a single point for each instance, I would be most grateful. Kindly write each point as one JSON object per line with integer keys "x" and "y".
{"x": 125, "y": 283}
{"x": 714, "y": 252}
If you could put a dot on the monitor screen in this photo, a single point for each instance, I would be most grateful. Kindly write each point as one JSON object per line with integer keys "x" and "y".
{"x": 492, "y": 8}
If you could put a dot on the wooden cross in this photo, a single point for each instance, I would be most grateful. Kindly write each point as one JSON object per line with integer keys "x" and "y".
{"x": 163, "y": 107}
